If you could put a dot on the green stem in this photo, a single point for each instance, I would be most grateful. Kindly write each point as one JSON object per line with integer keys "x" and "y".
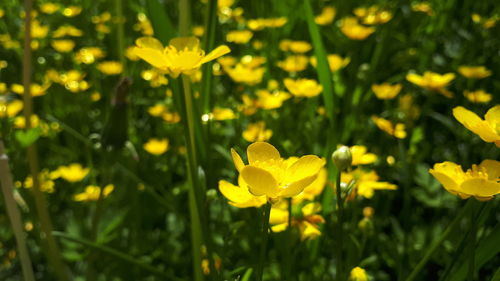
{"x": 53, "y": 252}
{"x": 472, "y": 246}
{"x": 434, "y": 246}
{"x": 340, "y": 231}
{"x": 14, "y": 214}
{"x": 288, "y": 253}
{"x": 263, "y": 246}
{"x": 120, "y": 32}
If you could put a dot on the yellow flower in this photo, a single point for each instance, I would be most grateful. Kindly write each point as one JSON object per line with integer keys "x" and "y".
{"x": 10, "y": 109}
{"x": 45, "y": 180}
{"x": 71, "y": 80}
{"x": 239, "y": 36}
{"x": 156, "y": 146}
{"x": 63, "y": 46}
{"x": 49, "y": 8}
{"x": 335, "y": 62}
{"x": 481, "y": 181}
{"x": 307, "y": 223}
{"x": 155, "y": 77}
{"x": 479, "y": 96}
{"x": 352, "y": 29}
{"x": 365, "y": 183}
{"x": 88, "y": 55}
{"x": 424, "y": 7}
{"x": 268, "y": 174}
{"x": 223, "y": 114}
{"x": 249, "y": 105}
{"x": 92, "y": 193}
{"x": 110, "y": 67}
{"x": 72, "y": 173}
{"x": 257, "y": 132}
{"x": 20, "y": 121}
{"x": 408, "y": 107}
{"x": 358, "y": 274}
{"x": 487, "y": 129}
{"x": 326, "y": 17}
{"x": 303, "y": 87}
{"x": 72, "y": 11}
{"x": 477, "y": 72}
{"x": 386, "y": 91}
{"x": 245, "y": 74}
{"x": 385, "y": 125}
{"x": 295, "y": 46}
{"x": 36, "y": 89}
{"x": 67, "y": 30}
{"x": 239, "y": 196}
{"x": 314, "y": 189}
{"x": 38, "y": 30}
{"x": 373, "y": 15}
{"x": 144, "y": 25}
{"x": 271, "y": 100}
{"x": 183, "y": 55}
{"x": 294, "y": 63}
{"x": 433, "y": 81}
{"x": 360, "y": 157}
{"x": 259, "y": 24}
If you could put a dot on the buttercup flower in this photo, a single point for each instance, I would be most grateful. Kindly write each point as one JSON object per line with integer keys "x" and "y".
{"x": 352, "y": 29}
{"x": 63, "y": 45}
{"x": 481, "y": 181}
{"x": 358, "y": 274}
{"x": 326, "y": 17}
{"x": 385, "y": 125}
{"x": 295, "y": 46}
{"x": 110, "y": 67}
{"x": 487, "y": 129}
{"x": 335, "y": 62}
{"x": 386, "y": 91}
{"x": 183, "y": 55}
{"x": 303, "y": 87}
{"x": 477, "y": 72}
{"x": 239, "y": 196}
{"x": 365, "y": 182}
{"x": 257, "y": 132}
{"x": 156, "y": 146}
{"x": 92, "y": 193}
{"x": 360, "y": 155}
{"x": 268, "y": 174}
{"x": 245, "y": 74}
{"x": 479, "y": 96}
{"x": 307, "y": 223}
{"x": 294, "y": 63}
{"x": 433, "y": 81}
{"x": 223, "y": 114}
{"x": 72, "y": 173}
{"x": 239, "y": 36}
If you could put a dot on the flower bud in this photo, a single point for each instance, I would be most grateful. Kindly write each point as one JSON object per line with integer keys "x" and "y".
{"x": 342, "y": 158}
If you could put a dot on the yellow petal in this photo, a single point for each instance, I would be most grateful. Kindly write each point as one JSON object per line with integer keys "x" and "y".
{"x": 233, "y": 192}
{"x": 149, "y": 42}
{"x": 309, "y": 230}
{"x": 479, "y": 187}
{"x": 181, "y": 43}
{"x": 152, "y": 56}
{"x": 297, "y": 187}
{"x": 261, "y": 151}
{"x": 306, "y": 166}
{"x": 218, "y": 52}
{"x": 492, "y": 168}
{"x": 278, "y": 216}
{"x": 238, "y": 163}
{"x": 279, "y": 227}
{"x": 260, "y": 182}
{"x": 415, "y": 79}
{"x": 475, "y": 124}
{"x": 448, "y": 173}
{"x": 493, "y": 115}
{"x": 311, "y": 208}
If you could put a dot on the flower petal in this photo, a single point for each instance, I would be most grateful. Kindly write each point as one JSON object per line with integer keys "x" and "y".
{"x": 218, "y": 52}
{"x": 181, "y": 43}
{"x": 297, "y": 187}
{"x": 492, "y": 168}
{"x": 475, "y": 124}
{"x": 238, "y": 163}
{"x": 150, "y": 43}
{"x": 278, "y": 216}
{"x": 449, "y": 175}
{"x": 233, "y": 192}
{"x": 306, "y": 166}
{"x": 152, "y": 56}
{"x": 479, "y": 187}
{"x": 493, "y": 115}
{"x": 261, "y": 151}
{"x": 260, "y": 182}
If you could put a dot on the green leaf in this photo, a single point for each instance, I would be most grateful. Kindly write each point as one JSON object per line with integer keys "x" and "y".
{"x": 28, "y": 137}
{"x": 496, "y": 277}
{"x": 162, "y": 25}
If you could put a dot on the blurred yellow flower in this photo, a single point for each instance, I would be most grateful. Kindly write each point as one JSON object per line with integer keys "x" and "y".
{"x": 72, "y": 80}
{"x": 72, "y": 11}
{"x": 63, "y": 45}
{"x": 385, "y": 125}
{"x": 424, "y": 7}
{"x": 67, "y": 30}
{"x": 358, "y": 274}
{"x": 10, "y": 109}
{"x": 45, "y": 180}
{"x": 295, "y": 46}
{"x": 326, "y": 17}
{"x": 408, "y": 107}
{"x": 183, "y": 55}
{"x": 36, "y": 89}
{"x": 307, "y": 222}
{"x": 38, "y": 30}
{"x": 294, "y": 63}
{"x": 267, "y": 173}
{"x": 487, "y": 129}
{"x": 352, "y": 29}
{"x": 481, "y": 181}
{"x": 245, "y": 74}
{"x": 386, "y": 91}
{"x": 239, "y": 196}
{"x": 110, "y": 67}
{"x": 144, "y": 26}
{"x": 92, "y": 193}
{"x": 360, "y": 155}
{"x": 259, "y": 24}
{"x": 314, "y": 189}
{"x": 486, "y": 23}
{"x": 335, "y": 62}
{"x": 49, "y": 8}
{"x": 432, "y": 81}
{"x": 198, "y": 30}
{"x": 239, "y": 36}
{"x": 73, "y": 172}
{"x": 303, "y": 87}
{"x": 156, "y": 146}
{"x": 477, "y": 72}
{"x": 219, "y": 113}
{"x": 257, "y": 132}
{"x": 155, "y": 77}
{"x": 373, "y": 15}
{"x": 365, "y": 182}
{"x": 20, "y": 121}
{"x": 271, "y": 100}
{"x": 479, "y": 96}
{"x": 88, "y": 55}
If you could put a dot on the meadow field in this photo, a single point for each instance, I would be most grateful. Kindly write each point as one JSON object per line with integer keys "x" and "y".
{"x": 297, "y": 140}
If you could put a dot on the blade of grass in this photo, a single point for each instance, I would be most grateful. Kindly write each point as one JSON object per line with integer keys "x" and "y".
{"x": 162, "y": 25}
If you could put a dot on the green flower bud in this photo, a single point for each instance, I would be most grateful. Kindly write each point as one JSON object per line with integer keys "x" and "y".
{"x": 342, "y": 158}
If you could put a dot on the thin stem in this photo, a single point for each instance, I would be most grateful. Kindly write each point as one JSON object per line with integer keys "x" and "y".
{"x": 340, "y": 231}
{"x": 53, "y": 252}
{"x": 263, "y": 246}
{"x": 288, "y": 253}
{"x": 434, "y": 246}
{"x": 472, "y": 247}
{"x": 14, "y": 214}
